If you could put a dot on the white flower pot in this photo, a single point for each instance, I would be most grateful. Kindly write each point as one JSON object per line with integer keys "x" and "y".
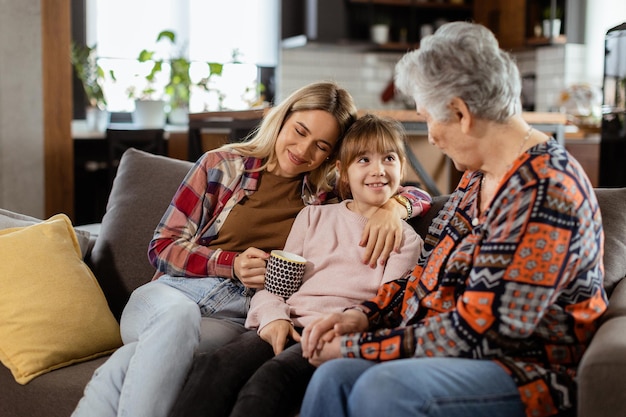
{"x": 96, "y": 119}
{"x": 179, "y": 116}
{"x": 149, "y": 114}
{"x": 379, "y": 33}
{"x": 556, "y": 28}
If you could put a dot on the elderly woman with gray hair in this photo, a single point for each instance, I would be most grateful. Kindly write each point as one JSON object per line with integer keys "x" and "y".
{"x": 507, "y": 292}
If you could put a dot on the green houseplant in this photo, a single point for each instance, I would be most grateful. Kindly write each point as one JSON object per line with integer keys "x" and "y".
{"x": 84, "y": 60}
{"x": 177, "y": 91}
{"x": 91, "y": 75}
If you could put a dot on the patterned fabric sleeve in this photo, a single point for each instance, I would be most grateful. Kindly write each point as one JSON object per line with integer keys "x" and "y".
{"x": 383, "y": 311}
{"x": 420, "y": 200}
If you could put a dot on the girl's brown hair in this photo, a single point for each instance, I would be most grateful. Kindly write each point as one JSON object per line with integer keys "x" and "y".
{"x": 369, "y": 133}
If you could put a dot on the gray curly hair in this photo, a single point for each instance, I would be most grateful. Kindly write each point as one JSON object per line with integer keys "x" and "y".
{"x": 462, "y": 60}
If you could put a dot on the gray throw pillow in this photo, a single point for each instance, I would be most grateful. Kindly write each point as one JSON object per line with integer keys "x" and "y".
{"x": 141, "y": 192}
{"x": 9, "y": 219}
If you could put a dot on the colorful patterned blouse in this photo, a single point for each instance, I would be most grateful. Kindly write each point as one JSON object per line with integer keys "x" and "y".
{"x": 520, "y": 285}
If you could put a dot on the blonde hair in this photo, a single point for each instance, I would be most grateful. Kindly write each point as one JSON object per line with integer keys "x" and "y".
{"x": 326, "y": 96}
{"x": 369, "y": 133}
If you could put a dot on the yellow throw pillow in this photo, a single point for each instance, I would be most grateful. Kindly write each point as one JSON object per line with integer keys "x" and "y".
{"x": 53, "y": 313}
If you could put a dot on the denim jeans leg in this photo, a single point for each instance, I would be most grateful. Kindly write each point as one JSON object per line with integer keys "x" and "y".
{"x": 163, "y": 325}
{"x": 219, "y": 298}
{"x": 166, "y": 325}
{"x": 424, "y": 387}
{"x": 102, "y": 393}
{"x": 162, "y": 321}
{"x": 329, "y": 388}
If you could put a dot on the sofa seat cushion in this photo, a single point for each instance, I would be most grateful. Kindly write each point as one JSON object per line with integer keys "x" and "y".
{"x": 54, "y": 394}
{"x": 53, "y": 311}
{"x": 143, "y": 187}
{"x": 602, "y": 372}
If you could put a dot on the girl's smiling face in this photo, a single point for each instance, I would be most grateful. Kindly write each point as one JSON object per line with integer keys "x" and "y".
{"x": 306, "y": 139}
{"x": 373, "y": 177}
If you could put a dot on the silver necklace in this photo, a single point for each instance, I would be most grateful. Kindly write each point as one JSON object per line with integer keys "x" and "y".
{"x": 528, "y": 134}
{"x": 475, "y": 220}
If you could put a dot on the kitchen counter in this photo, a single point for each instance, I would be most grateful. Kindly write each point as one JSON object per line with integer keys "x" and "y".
{"x": 414, "y": 123}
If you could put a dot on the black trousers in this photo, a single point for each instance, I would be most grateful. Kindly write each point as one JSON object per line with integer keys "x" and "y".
{"x": 244, "y": 378}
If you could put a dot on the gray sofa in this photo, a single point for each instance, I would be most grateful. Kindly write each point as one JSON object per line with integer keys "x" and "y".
{"x": 141, "y": 192}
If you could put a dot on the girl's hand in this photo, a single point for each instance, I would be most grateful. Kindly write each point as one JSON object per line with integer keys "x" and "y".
{"x": 383, "y": 233}
{"x": 276, "y": 334}
{"x": 249, "y": 267}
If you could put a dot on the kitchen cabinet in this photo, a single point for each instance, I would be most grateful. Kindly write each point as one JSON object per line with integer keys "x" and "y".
{"x": 406, "y": 18}
{"x": 505, "y": 18}
{"x": 516, "y": 23}
{"x": 569, "y": 16}
{"x": 520, "y": 23}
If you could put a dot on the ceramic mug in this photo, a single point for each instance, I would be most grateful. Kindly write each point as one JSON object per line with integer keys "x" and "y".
{"x": 284, "y": 272}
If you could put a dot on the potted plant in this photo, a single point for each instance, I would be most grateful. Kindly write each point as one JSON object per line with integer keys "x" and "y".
{"x": 85, "y": 62}
{"x": 552, "y": 23}
{"x": 379, "y": 31}
{"x": 177, "y": 91}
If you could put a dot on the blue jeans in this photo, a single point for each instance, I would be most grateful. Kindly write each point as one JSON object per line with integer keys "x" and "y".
{"x": 433, "y": 387}
{"x": 160, "y": 329}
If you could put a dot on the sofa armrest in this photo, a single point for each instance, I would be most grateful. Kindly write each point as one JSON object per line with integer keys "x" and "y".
{"x": 602, "y": 372}
{"x": 94, "y": 230}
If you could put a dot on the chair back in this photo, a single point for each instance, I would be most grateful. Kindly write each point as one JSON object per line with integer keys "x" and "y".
{"x": 119, "y": 140}
{"x": 238, "y": 122}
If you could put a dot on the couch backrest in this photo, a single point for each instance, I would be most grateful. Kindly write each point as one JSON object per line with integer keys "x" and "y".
{"x": 146, "y": 183}
{"x": 142, "y": 190}
{"x": 612, "y": 203}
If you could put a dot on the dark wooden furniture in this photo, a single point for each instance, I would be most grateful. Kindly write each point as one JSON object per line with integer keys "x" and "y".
{"x": 96, "y": 157}
{"x": 119, "y": 139}
{"x": 239, "y": 124}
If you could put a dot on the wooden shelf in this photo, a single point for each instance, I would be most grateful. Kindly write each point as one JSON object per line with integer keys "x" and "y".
{"x": 385, "y": 2}
{"x": 417, "y": 4}
{"x": 395, "y": 46}
{"x": 542, "y": 41}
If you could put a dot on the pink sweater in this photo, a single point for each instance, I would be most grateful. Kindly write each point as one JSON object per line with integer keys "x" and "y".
{"x": 335, "y": 277}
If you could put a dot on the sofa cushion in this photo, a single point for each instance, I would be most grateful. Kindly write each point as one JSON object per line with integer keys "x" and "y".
{"x": 53, "y": 310}
{"x": 11, "y": 219}
{"x": 611, "y": 201}
{"x": 142, "y": 190}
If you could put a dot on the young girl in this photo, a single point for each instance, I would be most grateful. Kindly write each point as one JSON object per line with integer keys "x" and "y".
{"x": 245, "y": 378}
{"x": 210, "y": 247}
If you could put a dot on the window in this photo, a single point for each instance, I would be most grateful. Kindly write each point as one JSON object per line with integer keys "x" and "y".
{"x": 245, "y": 31}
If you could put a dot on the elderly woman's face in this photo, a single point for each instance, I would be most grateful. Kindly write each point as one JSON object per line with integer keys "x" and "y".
{"x": 447, "y": 136}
